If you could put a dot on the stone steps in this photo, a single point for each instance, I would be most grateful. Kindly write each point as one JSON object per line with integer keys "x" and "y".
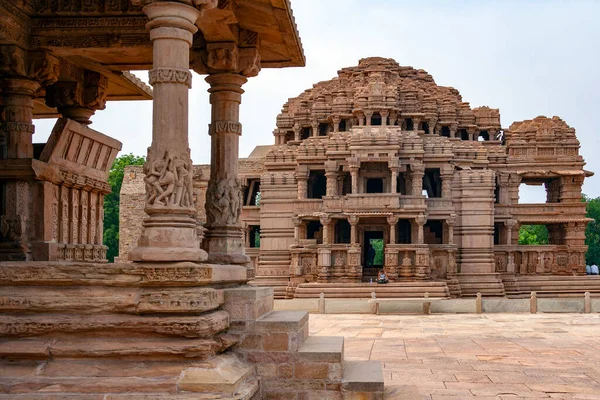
{"x": 364, "y": 290}
{"x": 362, "y": 380}
{"x": 489, "y": 285}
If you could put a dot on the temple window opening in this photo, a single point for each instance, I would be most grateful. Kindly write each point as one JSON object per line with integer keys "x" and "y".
{"x": 532, "y": 192}
{"x": 346, "y": 184}
{"x": 252, "y": 193}
{"x": 342, "y": 231}
{"x": 403, "y": 231}
{"x": 432, "y": 183}
{"x": 409, "y": 124}
{"x": 425, "y": 127}
{"x": 254, "y": 236}
{"x": 317, "y": 184}
{"x": 433, "y": 232}
{"x": 376, "y": 119}
{"x": 314, "y": 231}
{"x": 323, "y": 129}
{"x": 306, "y": 132}
{"x": 483, "y": 136}
{"x": 401, "y": 184}
{"x": 374, "y": 185}
{"x": 445, "y": 131}
{"x": 343, "y": 127}
{"x": 464, "y": 135}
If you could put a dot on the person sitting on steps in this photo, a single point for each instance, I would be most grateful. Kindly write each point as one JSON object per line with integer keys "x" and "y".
{"x": 382, "y": 277}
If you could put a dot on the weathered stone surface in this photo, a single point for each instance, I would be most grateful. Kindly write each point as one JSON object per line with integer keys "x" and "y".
{"x": 125, "y": 274}
{"x": 181, "y": 300}
{"x": 223, "y": 374}
{"x": 205, "y": 325}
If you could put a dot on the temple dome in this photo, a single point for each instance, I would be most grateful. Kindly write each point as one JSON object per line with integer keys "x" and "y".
{"x": 383, "y": 89}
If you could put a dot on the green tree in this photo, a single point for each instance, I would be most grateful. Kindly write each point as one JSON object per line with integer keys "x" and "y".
{"x": 111, "y": 202}
{"x": 533, "y": 235}
{"x": 592, "y": 232}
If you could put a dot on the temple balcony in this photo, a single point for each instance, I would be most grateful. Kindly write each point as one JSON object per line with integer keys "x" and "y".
{"x": 543, "y": 211}
{"x": 374, "y": 202}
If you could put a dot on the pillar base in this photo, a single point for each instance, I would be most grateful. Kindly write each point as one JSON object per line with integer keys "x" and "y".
{"x": 225, "y": 245}
{"x": 168, "y": 238}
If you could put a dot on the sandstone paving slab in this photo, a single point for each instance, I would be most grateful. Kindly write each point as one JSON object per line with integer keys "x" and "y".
{"x": 501, "y": 356}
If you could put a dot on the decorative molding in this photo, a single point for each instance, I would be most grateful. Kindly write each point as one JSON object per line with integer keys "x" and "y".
{"x": 18, "y": 127}
{"x": 225, "y": 127}
{"x": 170, "y": 75}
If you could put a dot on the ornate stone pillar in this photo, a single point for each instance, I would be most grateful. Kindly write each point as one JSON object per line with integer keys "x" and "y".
{"x": 315, "y": 128}
{"x": 297, "y": 130}
{"x": 384, "y": 115}
{"x": 228, "y": 65}
{"x": 326, "y": 222}
{"x": 22, "y": 73}
{"x": 302, "y": 179}
{"x": 331, "y": 178}
{"x": 353, "y": 220}
{"x": 169, "y": 232}
{"x": 510, "y": 223}
{"x": 416, "y": 122}
{"x": 392, "y": 222}
{"x": 451, "y": 222}
{"x": 336, "y": 123}
{"x": 420, "y": 220}
{"x": 418, "y": 170}
{"x": 297, "y": 222}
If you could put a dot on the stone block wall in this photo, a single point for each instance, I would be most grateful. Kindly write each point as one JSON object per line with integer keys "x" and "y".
{"x": 131, "y": 209}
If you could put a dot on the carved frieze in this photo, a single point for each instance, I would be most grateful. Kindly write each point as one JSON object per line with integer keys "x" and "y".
{"x": 169, "y": 180}
{"x": 225, "y": 127}
{"x": 170, "y": 75}
{"x": 224, "y": 201}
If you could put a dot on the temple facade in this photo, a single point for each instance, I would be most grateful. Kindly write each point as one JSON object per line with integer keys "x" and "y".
{"x": 381, "y": 168}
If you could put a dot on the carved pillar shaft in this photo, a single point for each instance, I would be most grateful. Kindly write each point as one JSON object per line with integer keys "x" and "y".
{"x": 353, "y": 234}
{"x": 224, "y": 205}
{"x": 18, "y": 111}
{"x": 394, "y": 182}
{"x": 169, "y": 234}
{"x": 354, "y": 176}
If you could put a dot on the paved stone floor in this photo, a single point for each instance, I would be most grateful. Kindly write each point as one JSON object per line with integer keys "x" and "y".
{"x": 463, "y": 356}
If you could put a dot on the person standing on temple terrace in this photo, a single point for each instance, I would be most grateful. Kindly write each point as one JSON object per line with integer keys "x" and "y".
{"x": 595, "y": 270}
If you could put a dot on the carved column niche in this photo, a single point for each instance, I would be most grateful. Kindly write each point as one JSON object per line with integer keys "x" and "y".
{"x": 228, "y": 65}
{"x": 169, "y": 232}
{"x": 22, "y": 73}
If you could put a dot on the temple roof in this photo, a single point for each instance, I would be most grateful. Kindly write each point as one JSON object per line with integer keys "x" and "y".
{"x": 382, "y": 85}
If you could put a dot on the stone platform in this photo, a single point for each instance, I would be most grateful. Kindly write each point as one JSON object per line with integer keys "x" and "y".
{"x": 554, "y": 286}
{"x": 461, "y": 357}
{"x": 162, "y": 331}
{"x": 364, "y": 290}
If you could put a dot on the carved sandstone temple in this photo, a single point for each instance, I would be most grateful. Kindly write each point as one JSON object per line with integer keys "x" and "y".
{"x": 172, "y": 320}
{"x": 381, "y": 168}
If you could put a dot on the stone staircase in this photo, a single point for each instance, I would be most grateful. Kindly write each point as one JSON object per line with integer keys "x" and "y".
{"x": 292, "y": 365}
{"x": 364, "y": 290}
{"x": 489, "y": 285}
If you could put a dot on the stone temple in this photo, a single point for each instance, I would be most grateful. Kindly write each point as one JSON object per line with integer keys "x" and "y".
{"x": 381, "y": 168}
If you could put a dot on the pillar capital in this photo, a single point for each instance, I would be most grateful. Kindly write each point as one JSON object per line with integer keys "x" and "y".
{"x": 392, "y": 220}
{"x": 421, "y": 219}
{"x": 78, "y": 100}
{"x": 38, "y": 66}
{"x": 242, "y": 58}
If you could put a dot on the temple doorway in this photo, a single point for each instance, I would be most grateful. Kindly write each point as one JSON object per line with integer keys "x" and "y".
{"x": 372, "y": 254}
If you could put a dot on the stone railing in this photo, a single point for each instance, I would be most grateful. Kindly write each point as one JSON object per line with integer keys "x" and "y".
{"x": 438, "y": 204}
{"x": 308, "y": 206}
{"x": 541, "y": 211}
{"x": 540, "y": 260}
{"x": 376, "y": 201}
{"x": 406, "y": 261}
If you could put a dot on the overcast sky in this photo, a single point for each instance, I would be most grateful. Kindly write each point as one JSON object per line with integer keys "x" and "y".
{"x": 527, "y": 58}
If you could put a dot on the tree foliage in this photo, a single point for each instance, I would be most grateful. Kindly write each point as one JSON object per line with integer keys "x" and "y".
{"x": 111, "y": 202}
{"x": 533, "y": 235}
{"x": 592, "y": 232}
